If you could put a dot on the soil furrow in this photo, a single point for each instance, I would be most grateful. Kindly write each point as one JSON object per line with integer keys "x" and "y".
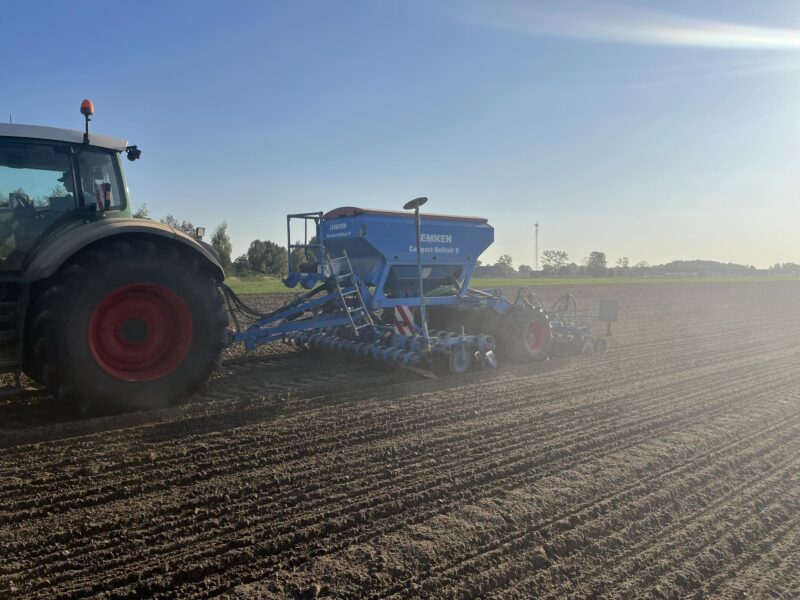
{"x": 623, "y": 498}
{"x": 293, "y": 523}
{"x": 699, "y": 497}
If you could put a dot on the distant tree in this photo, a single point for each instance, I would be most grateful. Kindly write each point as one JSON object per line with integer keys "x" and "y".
{"x": 505, "y": 264}
{"x": 790, "y": 268}
{"x": 171, "y": 221}
{"x": 623, "y": 265}
{"x": 525, "y": 270}
{"x": 574, "y": 270}
{"x": 185, "y": 226}
{"x": 486, "y": 271}
{"x": 785, "y": 268}
{"x": 267, "y": 258}
{"x": 302, "y": 255}
{"x": 222, "y": 244}
{"x": 640, "y": 269}
{"x": 699, "y": 267}
{"x": 297, "y": 258}
{"x": 554, "y": 261}
{"x": 59, "y": 191}
{"x": 596, "y": 264}
{"x": 257, "y": 257}
{"x": 141, "y": 212}
{"x": 278, "y": 261}
{"x": 241, "y": 266}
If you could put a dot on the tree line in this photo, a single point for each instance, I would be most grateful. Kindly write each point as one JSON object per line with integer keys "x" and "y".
{"x": 264, "y": 257}
{"x": 556, "y": 263}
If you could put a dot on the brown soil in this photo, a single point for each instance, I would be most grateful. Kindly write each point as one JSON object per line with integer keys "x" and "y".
{"x": 669, "y": 466}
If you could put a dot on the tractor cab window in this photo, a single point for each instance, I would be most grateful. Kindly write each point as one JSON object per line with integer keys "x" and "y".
{"x": 34, "y": 176}
{"x": 100, "y": 180}
{"x": 35, "y": 191}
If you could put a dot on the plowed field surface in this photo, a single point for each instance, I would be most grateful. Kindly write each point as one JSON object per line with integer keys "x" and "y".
{"x": 667, "y": 467}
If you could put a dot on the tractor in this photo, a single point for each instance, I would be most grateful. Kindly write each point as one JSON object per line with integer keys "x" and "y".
{"x": 101, "y": 308}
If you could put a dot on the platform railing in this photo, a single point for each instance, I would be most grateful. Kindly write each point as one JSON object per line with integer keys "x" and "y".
{"x": 316, "y": 247}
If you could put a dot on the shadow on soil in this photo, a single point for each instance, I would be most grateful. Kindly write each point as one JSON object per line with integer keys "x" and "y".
{"x": 246, "y": 390}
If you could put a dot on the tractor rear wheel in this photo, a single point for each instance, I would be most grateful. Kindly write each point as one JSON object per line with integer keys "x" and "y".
{"x": 127, "y": 326}
{"x": 523, "y": 334}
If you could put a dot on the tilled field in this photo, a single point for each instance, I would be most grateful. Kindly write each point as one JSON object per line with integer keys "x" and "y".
{"x": 669, "y": 466}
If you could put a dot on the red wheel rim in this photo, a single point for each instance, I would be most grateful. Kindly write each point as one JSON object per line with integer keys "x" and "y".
{"x": 536, "y": 336}
{"x": 140, "y": 332}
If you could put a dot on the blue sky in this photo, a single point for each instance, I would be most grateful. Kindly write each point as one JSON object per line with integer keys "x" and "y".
{"x": 651, "y": 130}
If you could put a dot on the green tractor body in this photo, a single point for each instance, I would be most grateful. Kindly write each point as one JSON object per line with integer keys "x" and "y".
{"x": 103, "y": 309}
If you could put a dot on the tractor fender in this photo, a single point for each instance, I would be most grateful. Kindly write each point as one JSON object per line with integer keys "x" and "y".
{"x": 62, "y": 245}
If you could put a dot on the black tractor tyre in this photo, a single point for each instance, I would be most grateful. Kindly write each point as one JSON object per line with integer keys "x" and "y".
{"x": 128, "y": 325}
{"x": 523, "y": 334}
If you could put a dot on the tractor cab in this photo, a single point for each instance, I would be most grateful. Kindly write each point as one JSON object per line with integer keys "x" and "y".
{"x": 105, "y": 310}
{"x": 51, "y": 177}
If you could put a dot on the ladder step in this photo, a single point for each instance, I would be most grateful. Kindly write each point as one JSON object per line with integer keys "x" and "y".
{"x": 340, "y": 277}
